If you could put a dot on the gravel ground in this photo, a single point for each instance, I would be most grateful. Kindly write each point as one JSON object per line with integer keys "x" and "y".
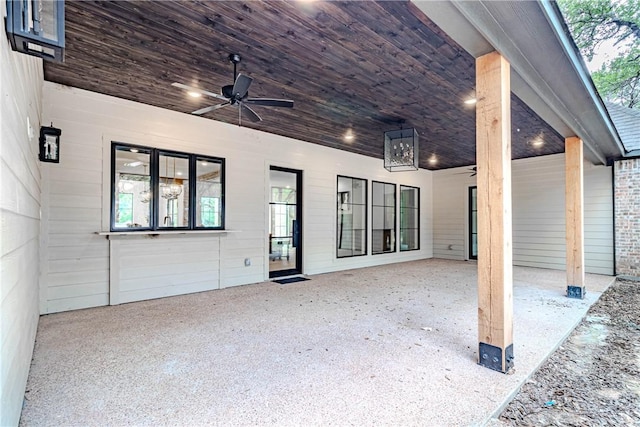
{"x": 593, "y": 379}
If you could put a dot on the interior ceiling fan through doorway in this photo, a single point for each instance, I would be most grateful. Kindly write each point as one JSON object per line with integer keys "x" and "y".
{"x": 236, "y": 95}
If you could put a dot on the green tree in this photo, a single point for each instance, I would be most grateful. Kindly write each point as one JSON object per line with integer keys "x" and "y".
{"x": 594, "y": 22}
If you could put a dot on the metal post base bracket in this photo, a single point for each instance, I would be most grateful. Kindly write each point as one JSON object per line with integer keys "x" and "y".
{"x": 491, "y": 357}
{"x": 577, "y": 292}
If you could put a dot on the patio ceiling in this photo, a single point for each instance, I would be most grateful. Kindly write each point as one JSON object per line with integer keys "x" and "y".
{"x": 347, "y": 65}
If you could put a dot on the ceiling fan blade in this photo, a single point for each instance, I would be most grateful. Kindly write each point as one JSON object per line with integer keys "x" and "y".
{"x": 241, "y": 86}
{"x": 200, "y": 91}
{"x": 253, "y": 116}
{"x": 211, "y": 108}
{"x": 270, "y": 102}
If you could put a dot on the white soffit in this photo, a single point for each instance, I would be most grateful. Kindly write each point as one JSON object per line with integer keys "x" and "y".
{"x": 546, "y": 72}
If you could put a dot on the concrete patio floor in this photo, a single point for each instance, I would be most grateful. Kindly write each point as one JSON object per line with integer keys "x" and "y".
{"x": 389, "y": 345}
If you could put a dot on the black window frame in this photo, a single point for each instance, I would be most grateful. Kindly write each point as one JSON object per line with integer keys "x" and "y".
{"x": 366, "y": 216}
{"x": 417, "y": 209}
{"x": 473, "y": 189}
{"x": 154, "y": 174}
{"x": 395, "y": 217}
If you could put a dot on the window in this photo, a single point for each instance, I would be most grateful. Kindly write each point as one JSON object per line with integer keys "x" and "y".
{"x": 409, "y": 218}
{"x": 473, "y": 222}
{"x": 352, "y": 217}
{"x": 383, "y": 218}
{"x": 162, "y": 190}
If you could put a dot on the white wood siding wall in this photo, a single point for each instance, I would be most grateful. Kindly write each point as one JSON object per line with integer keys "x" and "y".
{"x": 76, "y": 264}
{"x": 538, "y": 214}
{"x": 21, "y": 84}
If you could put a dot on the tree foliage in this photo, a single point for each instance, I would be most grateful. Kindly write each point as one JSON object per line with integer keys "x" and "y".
{"x": 597, "y": 22}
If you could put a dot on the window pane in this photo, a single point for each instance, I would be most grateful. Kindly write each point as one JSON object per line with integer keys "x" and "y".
{"x": 208, "y": 193}
{"x": 389, "y": 194}
{"x": 359, "y": 192}
{"x": 132, "y": 188}
{"x": 351, "y": 217}
{"x": 378, "y": 193}
{"x": 377, "y": 217}
{"x": 173, "y": 206}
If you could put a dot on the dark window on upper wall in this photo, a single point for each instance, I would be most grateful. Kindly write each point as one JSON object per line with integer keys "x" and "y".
{"x": 155, "y": 189}
{"x": 409, "y": 218}
{"x": 352, "y": 217}
{"x": 383, "y": 217}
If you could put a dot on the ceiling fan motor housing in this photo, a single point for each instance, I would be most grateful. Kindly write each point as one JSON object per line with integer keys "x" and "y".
{"x": 227, "y": 91}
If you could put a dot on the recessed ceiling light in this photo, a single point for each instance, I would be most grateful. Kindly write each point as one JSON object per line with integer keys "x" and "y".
{"x": 133, "y": 164}
{"x": 134, "y": 150}
{"x": 179, "y": 173}
{"x": 433, "y": 159}
{"x": 349, "y": 136}
{"x": 537, "y": 142}
{"x": 471, "y": 101}
{"x": 204, "y": 163}
{"x": 194, "y": 94}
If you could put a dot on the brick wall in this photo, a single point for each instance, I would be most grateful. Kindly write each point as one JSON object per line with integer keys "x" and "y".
{"x": 627, "y": 217}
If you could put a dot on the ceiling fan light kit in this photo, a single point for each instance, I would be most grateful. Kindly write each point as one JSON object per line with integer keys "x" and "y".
{"x": 236, "y": 95}
{"x": 401, "y": 150}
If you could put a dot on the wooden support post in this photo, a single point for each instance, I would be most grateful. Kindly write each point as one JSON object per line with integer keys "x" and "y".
{"x": 574, "y": 207}
{"x": 493, "y": 157}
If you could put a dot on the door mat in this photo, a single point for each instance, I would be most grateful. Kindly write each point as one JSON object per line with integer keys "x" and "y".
{"x": 291, "y": 280}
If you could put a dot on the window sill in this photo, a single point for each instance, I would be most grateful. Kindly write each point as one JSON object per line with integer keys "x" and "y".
{"x": 157, "y": 233}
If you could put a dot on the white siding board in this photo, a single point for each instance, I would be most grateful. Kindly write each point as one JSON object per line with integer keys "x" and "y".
{"x": 77, "y": 302}
{"x": 77, "y": 277}
{"x": 17, "y": 230}
{"x": 166, "y": 291}
{"x": 85, "y": 264}
{"x": 78, "y": 290}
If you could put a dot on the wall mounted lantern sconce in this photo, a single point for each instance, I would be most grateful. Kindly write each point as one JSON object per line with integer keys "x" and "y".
{"x": 50, "y": 144}
{"x": 36, "y": 27}
{"x": 401, "y": 150}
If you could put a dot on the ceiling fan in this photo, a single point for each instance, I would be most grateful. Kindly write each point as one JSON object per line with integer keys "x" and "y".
{"x": 473, "y": 170}
{"x": 236, "y": 95}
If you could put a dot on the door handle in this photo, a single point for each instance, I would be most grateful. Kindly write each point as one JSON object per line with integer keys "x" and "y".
{"x": 296, "y": 234}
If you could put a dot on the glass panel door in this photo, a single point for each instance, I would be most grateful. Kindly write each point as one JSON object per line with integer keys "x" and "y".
{"x": 285, "y": 214}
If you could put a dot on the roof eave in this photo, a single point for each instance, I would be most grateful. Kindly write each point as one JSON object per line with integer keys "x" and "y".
{"x": 533, "y": 38}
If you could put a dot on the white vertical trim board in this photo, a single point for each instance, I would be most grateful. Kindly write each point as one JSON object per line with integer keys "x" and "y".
{"x": 78, "y": 203}
{"x": 538, "y": 214}
{"x": 21, "y": 85}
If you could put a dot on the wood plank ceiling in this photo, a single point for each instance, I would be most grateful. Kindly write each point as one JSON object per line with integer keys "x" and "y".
{"x": 356, "y": 65}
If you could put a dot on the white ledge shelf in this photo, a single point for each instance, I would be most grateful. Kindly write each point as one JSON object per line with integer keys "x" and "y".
{"x": 154, "y": 233}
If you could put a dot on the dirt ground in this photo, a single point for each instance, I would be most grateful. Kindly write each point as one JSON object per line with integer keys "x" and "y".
{"x": 593, "y": 379}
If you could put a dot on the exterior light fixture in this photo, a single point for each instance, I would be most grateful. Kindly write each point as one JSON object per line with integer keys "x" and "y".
{"x": 36, "y": 28}
{"x": 50, "y": 144}
{"x": 401, "y": 150}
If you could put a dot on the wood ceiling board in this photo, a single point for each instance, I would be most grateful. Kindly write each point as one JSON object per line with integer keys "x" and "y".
{"x": 358, "y": 65}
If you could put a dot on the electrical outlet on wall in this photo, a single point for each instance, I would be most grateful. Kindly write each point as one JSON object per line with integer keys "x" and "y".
{"x": 247, "y": 262}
